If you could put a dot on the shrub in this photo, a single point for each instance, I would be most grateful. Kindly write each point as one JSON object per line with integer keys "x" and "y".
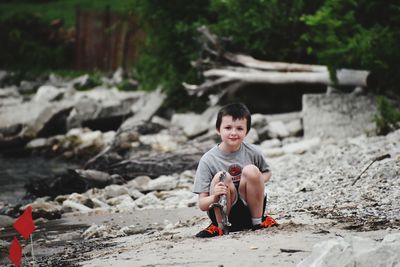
{"x": 388, "y": 117}
{"x": 29, "y": 42}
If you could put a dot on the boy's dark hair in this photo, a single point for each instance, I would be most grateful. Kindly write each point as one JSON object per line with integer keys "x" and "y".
{"x": 237, "y": 111}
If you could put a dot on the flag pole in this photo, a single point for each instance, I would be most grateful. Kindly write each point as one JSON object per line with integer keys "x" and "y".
{"x": 33, "y": 255}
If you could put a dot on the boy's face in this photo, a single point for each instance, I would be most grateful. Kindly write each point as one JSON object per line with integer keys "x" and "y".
{"x": 232, "y": 132}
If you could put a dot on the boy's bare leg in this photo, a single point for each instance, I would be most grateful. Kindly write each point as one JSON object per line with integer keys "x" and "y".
{"x": 251, "y": 189}
{"x": 230, "y": 196}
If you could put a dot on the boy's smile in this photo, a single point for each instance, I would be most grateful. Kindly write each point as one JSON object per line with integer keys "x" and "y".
{"x": 232, "y": 133}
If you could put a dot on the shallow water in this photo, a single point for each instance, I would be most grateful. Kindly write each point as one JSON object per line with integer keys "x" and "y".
{"x": 16, "y": 171}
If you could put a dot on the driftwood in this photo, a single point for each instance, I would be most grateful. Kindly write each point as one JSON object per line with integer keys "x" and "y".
{"x": 155, "y": 166}
{"x": 250, "y": 62}
{"x": 379, "y": 158}
{"x": 220, "y": 69}
{"x": 345, "y": 77}
{"x": 71, "y": 181}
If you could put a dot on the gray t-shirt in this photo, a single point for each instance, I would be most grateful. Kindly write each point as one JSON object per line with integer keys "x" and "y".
{"x": 216, "y": 160}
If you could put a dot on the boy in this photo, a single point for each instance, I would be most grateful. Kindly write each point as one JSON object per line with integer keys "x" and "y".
{"x": 246, "y": 174}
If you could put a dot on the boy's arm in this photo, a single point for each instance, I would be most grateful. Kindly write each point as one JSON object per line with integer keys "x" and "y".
{"x": 205, "y": 200}
{"x": 266, "y": 175}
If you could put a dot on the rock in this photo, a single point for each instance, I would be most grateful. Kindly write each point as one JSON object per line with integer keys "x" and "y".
{"x": 277, "y": 129}
{"x": 96, "y": 231}
{"x": 252, "y": 136}
{"x": 355, "y": 251}
{"x": 284, "y": 117}
{"x": 140, "y": 183}
{"x": 273, "y": 152}
{"x": 144, "y": 109}
{"x": 6, "y": 221}
{"x": 161, "y": 121}
{"x": 195, "y": 124}
{"x": 44, "y": 209}
{"x": 99, "y": 179}
{"x": 148, "y": 201}
{"x": 99, "y": 105}
{"x": 129, "y": 230}
{"x": 114, "y": 191}
{"x": 302, "y": 146}
{"x": 10, "y": 97}
{"x": 324, "y": 115}
{"x": 72, "y": 205}
{"x": 48, "y": 93}
{"x": 119, "y": 199}
{"x": 97, "y": 203}
{"x": 163, "y": 142}
{"x": 272, "y": 143}
{"x": 81, "y": 199}
{"x": 28, "y": 119}
{"x": 294, "y": 127}
{"x": 163, "y": 182}
{"x": 258, "y": 121}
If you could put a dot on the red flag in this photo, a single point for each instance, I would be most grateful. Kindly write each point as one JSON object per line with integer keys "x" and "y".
{"x": 24, "y": 224}
{"x": 15, "y": 252}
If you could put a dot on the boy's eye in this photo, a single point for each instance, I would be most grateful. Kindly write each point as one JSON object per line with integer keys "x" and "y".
{"x": 228, "y": 127}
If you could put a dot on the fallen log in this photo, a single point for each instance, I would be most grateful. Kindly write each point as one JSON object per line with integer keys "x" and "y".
{"x": 252, "y": 70}
{"x": 155, "y": 166}
{"x": 250, "y": 62}
{"x": 218, "y": 77}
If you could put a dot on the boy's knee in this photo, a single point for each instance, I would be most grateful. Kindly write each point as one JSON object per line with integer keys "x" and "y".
{"x": 251, "y": 172}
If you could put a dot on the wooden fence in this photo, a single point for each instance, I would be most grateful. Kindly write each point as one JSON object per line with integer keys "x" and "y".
{"x": 106, "y": 40}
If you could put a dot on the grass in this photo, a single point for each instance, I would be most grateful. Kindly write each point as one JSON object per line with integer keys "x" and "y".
{"x": 61, "y": 9}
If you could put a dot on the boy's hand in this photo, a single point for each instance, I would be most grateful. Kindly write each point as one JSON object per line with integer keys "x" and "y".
{"x": 220, "y": 189}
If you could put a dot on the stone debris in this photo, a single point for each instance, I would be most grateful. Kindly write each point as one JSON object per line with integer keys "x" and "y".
{"x": 355, "y": 251}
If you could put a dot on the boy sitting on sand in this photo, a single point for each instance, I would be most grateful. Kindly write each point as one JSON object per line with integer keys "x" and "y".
{"x": 246, "y": 175}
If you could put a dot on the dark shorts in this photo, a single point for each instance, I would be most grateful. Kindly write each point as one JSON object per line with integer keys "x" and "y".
{"x": 239, "y": 217}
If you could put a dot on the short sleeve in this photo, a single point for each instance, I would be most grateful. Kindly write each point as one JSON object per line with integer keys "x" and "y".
{"x": 260, "y": 161}
{"x": 203, "y": 177}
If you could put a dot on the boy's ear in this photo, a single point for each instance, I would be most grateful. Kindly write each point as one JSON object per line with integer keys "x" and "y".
{"x": 217, "y": 130}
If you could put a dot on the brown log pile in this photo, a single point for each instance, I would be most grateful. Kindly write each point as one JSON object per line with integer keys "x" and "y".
{"x": 228, "y": 71}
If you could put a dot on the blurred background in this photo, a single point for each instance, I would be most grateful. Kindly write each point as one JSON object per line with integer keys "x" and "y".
{"x": 155, "y": 41}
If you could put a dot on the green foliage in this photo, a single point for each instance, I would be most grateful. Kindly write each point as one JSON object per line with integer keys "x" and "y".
{"x": 388, "y": 117}
{"x": 64, "y": 10}
{"x": 361, "y": 34}
{"x": 93, "y": 80}
{"x": 264, "y": 29}
{"x": 170, "y": 28}
{"x": 28, "y": 42}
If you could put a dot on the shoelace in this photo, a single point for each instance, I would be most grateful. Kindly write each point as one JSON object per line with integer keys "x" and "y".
{"x": 212, "y": 229}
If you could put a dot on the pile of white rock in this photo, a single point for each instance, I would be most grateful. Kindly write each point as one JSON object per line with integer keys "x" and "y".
{"x": 321, "y": 180}
{"x": 164, "y": 192}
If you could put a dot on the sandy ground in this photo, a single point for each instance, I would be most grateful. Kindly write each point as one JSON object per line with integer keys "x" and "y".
{"x": 160, "y": 245}
{"x": 166, "y": 238}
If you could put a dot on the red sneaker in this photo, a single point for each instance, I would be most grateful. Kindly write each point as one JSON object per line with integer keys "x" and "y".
{"x": 210, "y": 231}
{"x": 267, "y": 222}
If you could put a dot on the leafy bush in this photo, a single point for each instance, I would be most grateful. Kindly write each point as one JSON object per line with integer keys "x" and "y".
{"x": 28, "y": 42}
{"x": 361, "y": 34}
{"x": 388, "y": 117}
{"x": 265, "y": 29}
{"x": 170, "y": 44}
